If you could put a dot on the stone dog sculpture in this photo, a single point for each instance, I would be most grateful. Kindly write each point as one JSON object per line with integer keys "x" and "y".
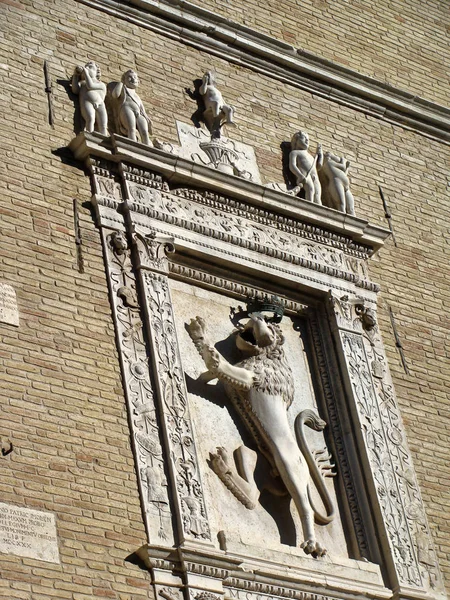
{"x": 261, "y": 389}
{"x": 217, "y": 111}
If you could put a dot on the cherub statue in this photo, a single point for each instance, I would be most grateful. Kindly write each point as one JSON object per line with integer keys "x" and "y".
{"x": 217, "y": 113}
{"x": 130, "y": 111}
{"x": 86, "y": 82}
{"x": 305, "y": 166}
{"x": 336, "y": 185}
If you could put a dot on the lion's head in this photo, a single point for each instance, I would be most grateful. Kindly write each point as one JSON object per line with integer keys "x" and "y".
{"x": 258, "y": 336}
{"x": 262, "y": 343}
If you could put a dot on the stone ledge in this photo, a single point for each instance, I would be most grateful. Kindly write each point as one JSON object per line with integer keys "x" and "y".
{"x": 282, "y": 575}
{"x": 181, "y": 171}
{"x": 203, "y": 29}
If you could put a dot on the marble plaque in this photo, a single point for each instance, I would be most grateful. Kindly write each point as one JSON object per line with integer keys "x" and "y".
{"x": 9, "y": 312}
{"x": 27, "y": 532}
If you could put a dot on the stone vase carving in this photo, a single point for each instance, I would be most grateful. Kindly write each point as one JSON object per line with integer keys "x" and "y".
{"x": 221, "y": 158}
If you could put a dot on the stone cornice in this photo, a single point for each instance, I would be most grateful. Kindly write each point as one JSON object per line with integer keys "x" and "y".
{"x": 180, "y": 171}
{"x": 239, "y": 44}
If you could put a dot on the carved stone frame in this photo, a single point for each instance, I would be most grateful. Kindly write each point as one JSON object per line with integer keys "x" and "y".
{"x": 241, "y": 239}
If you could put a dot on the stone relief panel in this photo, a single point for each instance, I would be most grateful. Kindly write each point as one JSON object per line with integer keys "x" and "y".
{"x": 107, "y": 192}
{"x": 261, "y": 388}
{"x": 144, "y": 179}
{"x": 205, "y": 461}
{"x": 202, "y": 467}
{"x": 270, "y": 592}
{"x": 236, "y": 452}
{"x": 195, "y": 144}
{"x": 105, "y": 179}
{"x": 138, "y": 385}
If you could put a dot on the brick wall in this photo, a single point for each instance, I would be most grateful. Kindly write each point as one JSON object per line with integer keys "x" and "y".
{"x": 405, "y": 44}
{"x": 62, "y": 399}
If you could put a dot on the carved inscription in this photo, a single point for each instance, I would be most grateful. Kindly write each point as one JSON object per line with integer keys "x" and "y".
{"x": 29, "y": 533}
{"x": 8, "y": 305}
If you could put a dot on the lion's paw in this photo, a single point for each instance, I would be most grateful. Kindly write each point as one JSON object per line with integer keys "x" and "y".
{"x": 220, "y": 461}
{"x": 314, "y": 548}
{"x": 196, "y": 328}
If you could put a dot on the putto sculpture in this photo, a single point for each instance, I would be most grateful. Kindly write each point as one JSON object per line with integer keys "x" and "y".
{"x": 261, "y": 389}
{"x": 305, "y": 167}
{"x": 335, "y": 184}
{"x": 217, "y": 112}
{"x": 130, "y": 112}
{"x": 86, "y": 83}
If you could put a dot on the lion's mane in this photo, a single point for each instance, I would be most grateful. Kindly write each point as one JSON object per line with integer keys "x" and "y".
{"x": 273, "y": 373}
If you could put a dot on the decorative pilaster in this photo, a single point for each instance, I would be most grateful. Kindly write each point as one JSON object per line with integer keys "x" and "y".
{"x": 138, "y": 387}
{"x": 107, "y": 192}
{"x": 401, "y": 519}
{"x": 152, "y": 266}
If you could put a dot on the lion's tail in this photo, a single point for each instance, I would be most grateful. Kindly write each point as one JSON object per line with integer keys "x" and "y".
{"x": 310, "y": 418}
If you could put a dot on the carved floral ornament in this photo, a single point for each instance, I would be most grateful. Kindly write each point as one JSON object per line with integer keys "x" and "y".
{"x": 216, "y": 218}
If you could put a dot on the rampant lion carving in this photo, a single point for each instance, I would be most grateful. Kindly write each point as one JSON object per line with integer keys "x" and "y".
{"x": 261, "y": 388}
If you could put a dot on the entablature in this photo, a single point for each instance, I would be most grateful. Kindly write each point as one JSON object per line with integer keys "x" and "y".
{"x": 229, "y": 216}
